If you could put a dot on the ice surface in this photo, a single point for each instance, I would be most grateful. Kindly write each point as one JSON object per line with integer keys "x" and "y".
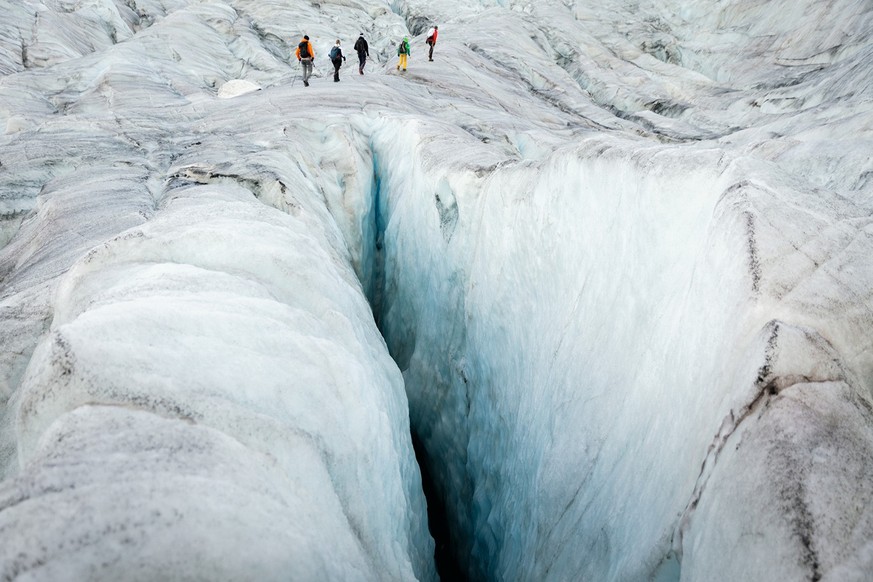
{"x": 204, "y": 343}
{"x": 621, "y": 253}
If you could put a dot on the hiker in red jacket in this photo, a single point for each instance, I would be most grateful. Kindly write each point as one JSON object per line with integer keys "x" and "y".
{"x": 431, "y": 40}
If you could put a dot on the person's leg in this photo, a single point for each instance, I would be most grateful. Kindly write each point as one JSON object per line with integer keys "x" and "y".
{"x": 362, "y": 60}
{"x": 430, "y": 52}
{"x": 307, "y": 71}
{"x": 402, "y": 62}
{"x": 336, "y": 67}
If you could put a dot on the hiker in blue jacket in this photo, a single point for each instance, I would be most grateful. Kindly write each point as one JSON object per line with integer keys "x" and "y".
{"x": 337, "y": 58}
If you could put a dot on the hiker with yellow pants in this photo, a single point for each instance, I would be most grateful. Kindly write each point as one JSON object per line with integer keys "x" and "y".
{"x": 403, "y": 52}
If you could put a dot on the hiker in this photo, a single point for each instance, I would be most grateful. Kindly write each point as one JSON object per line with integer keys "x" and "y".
{"x": 337, "y": 58}
{"x": 431, "y": 40}
{"x": 305, "y": 53}
{"x": 403, "y": 52}
{"x": 363, "y": 50}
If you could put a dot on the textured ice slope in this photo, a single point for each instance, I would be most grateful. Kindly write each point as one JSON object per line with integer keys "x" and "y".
{"x": 197, "y": 377}
{"x": 193, "y": 384}
{"x": 621, "y": 253}
{"x": 647, "y": 357}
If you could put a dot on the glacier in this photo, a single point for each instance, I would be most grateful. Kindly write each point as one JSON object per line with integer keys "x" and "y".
{"x": 608, "y": 264}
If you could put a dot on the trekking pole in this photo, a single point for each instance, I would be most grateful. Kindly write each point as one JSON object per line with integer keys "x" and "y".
{"x": 295, "y": 73}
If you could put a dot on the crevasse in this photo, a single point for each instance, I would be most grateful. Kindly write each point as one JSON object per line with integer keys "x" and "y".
{"x": 583, "y": 339}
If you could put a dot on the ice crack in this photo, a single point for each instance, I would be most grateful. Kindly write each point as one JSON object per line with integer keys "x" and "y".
{"x": 780, "y": 370}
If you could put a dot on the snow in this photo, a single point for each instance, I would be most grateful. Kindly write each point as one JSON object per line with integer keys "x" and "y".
{"x": 237, "y": 87}
{"x": 620, "y": 255}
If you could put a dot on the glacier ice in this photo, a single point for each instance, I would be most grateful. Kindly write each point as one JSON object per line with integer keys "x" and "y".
{"x": 620, "y": 254}
{"x": 235, "y": 392}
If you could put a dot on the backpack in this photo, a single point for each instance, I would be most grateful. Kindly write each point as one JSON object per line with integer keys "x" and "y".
{"x": 303, "y": 47}
{"x": 334, "y": 53}
{"x": 404, "y": 48}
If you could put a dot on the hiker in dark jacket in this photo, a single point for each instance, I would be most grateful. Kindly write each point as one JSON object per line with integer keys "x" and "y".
{"x": 305, "y": 53}
{"x": 363, "y": 50}
{"x": 337, "y": 58}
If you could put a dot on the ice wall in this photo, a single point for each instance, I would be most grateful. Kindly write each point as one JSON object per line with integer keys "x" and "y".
{"x": 604, "y": 355}
{"x": 198, "y": 393}
{"x": 625, "y": 357}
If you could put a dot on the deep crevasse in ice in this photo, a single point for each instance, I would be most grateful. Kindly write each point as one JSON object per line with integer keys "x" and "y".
{"x": 620, "y": 252}
{"x": 654, "y": 338}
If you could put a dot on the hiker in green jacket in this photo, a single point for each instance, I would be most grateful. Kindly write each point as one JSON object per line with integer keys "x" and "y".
{"x": 403, "y": 52}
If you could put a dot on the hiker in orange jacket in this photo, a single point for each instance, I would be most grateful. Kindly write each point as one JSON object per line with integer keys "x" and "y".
{"x": 431, "y": 40}
{"x": 305, "y": 53}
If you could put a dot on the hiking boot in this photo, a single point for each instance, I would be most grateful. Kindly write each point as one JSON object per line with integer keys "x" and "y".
{"x": 306, "y": 83}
